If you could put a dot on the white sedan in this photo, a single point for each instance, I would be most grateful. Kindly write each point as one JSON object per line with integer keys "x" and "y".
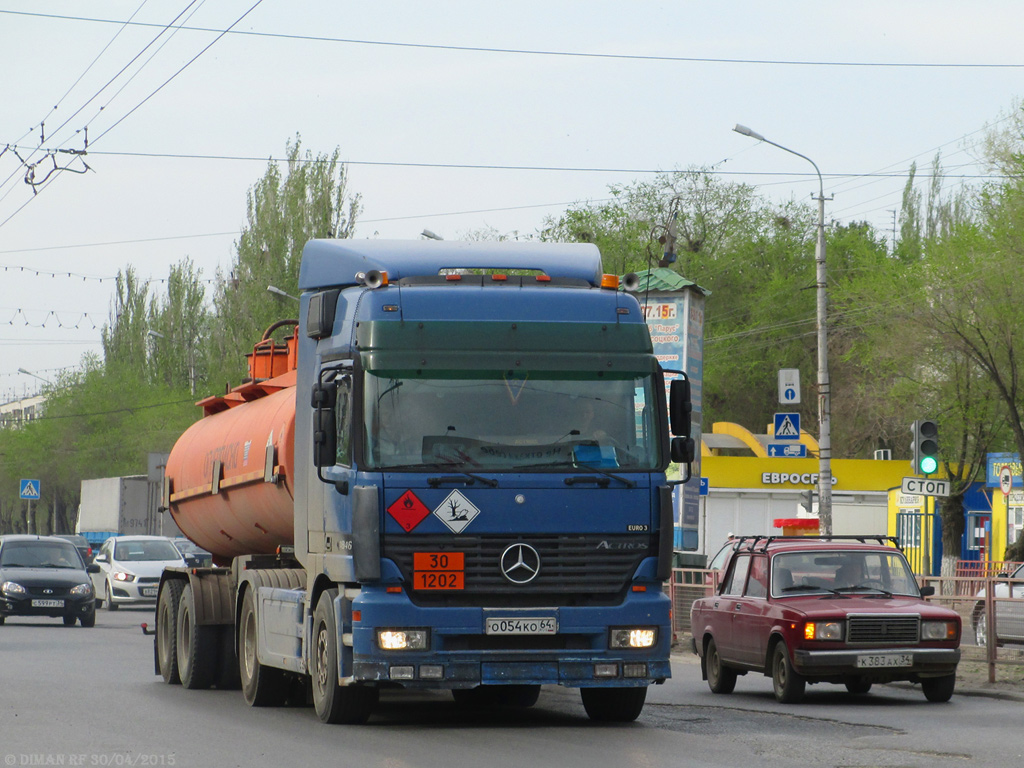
{"x": 130, "y": 568}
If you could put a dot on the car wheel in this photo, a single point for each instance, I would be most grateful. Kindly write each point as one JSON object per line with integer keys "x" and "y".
{"x": 2, "y": 618}
{"x": 167, "y": 630}
{"x": 195, "y": 645}
{"x": 614, "y": 705}
{"x": 262, "y": 686}
{"x": 69, "y": 620}
{"x": 335, "y": 703}
{"x": 88, "y": 619}
{"x": 789, "y": 684}
{"x": 858, "y": 685}
{"x": 721, "y": 679}
{"x": 939, "y": 689}
{"x": 108, "y": 600}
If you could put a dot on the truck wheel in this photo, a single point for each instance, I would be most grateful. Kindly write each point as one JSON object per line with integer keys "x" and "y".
{"x": 262, "y": 686}
{"x": 196, "y": 645}
{"x": 109, "y": 599}
{"x": 721, "y": 679}
{"x": 167, "y": 630}
{"x": 228, "y": 678}
{"x": 335, "y": 703}
{"x": 614, "y": 705}
{"x": 939, "y": 689}
{"x": 789, "y": 684}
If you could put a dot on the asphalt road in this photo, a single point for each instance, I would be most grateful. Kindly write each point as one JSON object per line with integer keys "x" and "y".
{"x": 74, "y": 696}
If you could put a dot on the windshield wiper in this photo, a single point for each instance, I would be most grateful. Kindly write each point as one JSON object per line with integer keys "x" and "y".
{"x": 438, "y": 467}
{"x": 864, "y": 588}
{"x": 812, "y": 587}
{"x": 579, "y": 466}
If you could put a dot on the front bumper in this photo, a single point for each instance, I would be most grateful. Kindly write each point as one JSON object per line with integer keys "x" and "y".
{"x": 69, "y": 606}
{"x": 927, "y": 662}
{"x": 461, "y": 655}
{"x": 134, "y": 592}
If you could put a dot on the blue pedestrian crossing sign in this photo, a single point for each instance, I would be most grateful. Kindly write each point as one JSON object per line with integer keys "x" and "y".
{"x": 30, "y": 490}
{"x": 787, "y": 426}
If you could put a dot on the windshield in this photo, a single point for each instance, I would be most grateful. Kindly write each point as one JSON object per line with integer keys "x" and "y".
{"x": 40, "y": 554}
{"x": 128, "y": 551}
{"x": 511, "y": 421}
{"x": 799, "y": 573}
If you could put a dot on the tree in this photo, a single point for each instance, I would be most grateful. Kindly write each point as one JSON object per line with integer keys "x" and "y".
{"x": 310, "y": 201}
{"x": 179, "y": 326}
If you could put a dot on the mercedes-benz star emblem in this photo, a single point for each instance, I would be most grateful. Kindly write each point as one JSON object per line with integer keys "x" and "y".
{"x": 520, "y": 563}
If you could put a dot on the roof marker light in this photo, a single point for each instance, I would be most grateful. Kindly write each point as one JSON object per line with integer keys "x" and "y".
{"x": 610, "y": 281}
{"x": 543, "y": 278}
{"x": 453, "y": 278}
{"x": 499, "y": 278}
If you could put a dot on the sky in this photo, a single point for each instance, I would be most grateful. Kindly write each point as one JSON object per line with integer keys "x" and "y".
{"x": 453, "y": 116}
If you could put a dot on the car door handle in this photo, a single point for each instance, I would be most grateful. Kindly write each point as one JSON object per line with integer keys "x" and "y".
{"x": 739, "y": 606}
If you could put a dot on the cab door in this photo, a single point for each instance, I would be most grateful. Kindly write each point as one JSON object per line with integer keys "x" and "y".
{"x": 728, "y": 604}
{"x": 751, "y": 621}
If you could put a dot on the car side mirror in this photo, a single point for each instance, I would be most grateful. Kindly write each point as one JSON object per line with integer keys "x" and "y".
{"x": 92, "y": 568}
{"x": 927, "y": 591}
{"x": 100, "y": 559}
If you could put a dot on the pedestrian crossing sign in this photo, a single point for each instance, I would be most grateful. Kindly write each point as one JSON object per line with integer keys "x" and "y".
{"x": 787, "y": 426}
{"x": 30, "y": 490}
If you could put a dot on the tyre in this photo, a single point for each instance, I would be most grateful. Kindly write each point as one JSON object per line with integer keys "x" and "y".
{"x": 486, "y": 696}
{"x": 788, "y": 684}
{"x": 721, "y": 679}
{"x": 228, "y": 678}
{"x": 167, "y": 630}
{"x": 334, "y": 703}
{"x": 88, "y": 619}
{"x": 2, "y": 619}
{"x": 108, "y": 600}
{"x": 858, "y": 685}
{"x": 939, "y": 689}
{"x": 614, "y": 705}
{"x": 69, "y": 621}
{"x": 196, "y": 645}
{"x": 262, "y": 686}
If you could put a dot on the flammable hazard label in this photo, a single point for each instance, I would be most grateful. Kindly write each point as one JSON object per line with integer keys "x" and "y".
{"x": 408, "y": 511}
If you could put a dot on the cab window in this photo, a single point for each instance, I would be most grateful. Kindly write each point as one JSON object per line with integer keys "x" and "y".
{"x": 737, "y": 576}
{"x": 757, "y": 584}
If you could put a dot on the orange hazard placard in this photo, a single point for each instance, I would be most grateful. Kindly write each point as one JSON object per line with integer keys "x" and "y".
{"x": 438, "y": 570}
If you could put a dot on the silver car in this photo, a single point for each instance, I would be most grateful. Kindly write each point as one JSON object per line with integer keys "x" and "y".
{"x": 1009, "y": 613}
{"x": 130, "y": 568}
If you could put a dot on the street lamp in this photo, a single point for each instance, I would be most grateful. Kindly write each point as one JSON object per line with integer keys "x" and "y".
{"x": 36, "y": 375}
{"x": 430, "y": 235}
{"x": 824, "y": 404}
{"x": 278, "y": 292}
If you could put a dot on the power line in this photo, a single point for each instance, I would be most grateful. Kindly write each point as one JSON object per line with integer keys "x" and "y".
{"x": 540, "y": 52}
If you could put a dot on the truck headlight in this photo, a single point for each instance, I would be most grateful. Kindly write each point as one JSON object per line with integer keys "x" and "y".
{"x": 938, "y": 630}
{"x": 633, "y": 637}
{"x": 82, "y": 590}
{"x": 12, "y": 588}
{"x": 823, "y": 630}
{"x": 402, "y": 639}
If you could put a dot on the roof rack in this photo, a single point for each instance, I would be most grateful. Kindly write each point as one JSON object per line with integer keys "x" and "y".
{"x": 760, "y": 543}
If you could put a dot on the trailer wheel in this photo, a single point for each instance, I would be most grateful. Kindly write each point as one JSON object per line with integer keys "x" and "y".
{"x": 196, "y": 645}
{"x": 334, "y": 702}
{"x": 262, "y": 686}
{"x": 614, "y": 705}
{"x": 167, "y": 630}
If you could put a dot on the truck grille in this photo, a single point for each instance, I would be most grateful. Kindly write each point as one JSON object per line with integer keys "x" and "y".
{"x": 591, "y": 569}
{"x": 884, "y": 629}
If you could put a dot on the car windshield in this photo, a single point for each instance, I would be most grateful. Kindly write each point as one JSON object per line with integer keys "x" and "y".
{"x": 842, "y": 571}
{"x": 40, "y": 554}
{"x": 511, "y": 421}
{"x": 131, "y": 551}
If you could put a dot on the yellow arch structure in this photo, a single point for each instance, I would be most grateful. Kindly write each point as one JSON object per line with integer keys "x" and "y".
{"x": 751, "y": 441}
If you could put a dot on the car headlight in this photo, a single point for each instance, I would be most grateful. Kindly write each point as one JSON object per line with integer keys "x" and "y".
{"x": 12, "y": 588}
{"x": 124, "y": 576}
{"x": 402, "y": 639}
{"x": 633, "y": 637}
{"x": 938, "y": 630}
{"x": 82, "y": 590}
{"x": 823, "y": 630}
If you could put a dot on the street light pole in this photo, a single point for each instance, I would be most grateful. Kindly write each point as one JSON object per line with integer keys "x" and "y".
{"x": 824, "y": 390}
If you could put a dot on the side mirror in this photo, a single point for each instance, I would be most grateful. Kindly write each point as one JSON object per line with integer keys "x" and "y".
{"x": 325, "y": 426}
{"x": 680, "y": 408}
{"x": 927, "y": 591}
{"x": 100, "y": 559}
{"x": 92, "y": 568}
{"x": 683, "y": 450}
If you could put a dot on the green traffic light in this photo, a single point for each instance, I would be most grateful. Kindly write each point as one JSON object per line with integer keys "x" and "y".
{"x": 929, "y": 464}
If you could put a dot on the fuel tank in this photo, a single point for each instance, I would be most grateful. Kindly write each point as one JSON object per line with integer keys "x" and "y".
{"x": 231, "y": 473}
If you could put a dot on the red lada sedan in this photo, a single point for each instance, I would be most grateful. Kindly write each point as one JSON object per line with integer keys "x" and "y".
{"x": 839, "y": 609}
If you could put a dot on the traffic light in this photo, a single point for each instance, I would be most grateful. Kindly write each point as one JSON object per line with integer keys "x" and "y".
{"x": 924, "y": 450}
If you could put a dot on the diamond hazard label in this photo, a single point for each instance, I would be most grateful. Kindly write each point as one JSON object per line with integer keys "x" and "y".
{"x": 408, "y": 511}
{"x": 456, "y": 512}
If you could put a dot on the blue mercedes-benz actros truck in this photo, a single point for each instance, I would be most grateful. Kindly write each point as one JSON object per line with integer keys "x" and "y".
{"x": 451, "y": 476}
